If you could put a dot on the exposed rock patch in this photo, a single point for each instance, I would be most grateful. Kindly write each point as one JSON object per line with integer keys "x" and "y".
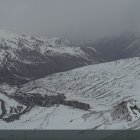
{"x": 125, "y": 111}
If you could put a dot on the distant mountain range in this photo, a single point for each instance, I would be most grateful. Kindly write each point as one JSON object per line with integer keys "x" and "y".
{"x": 23, "y": 58}
{"x": 116, "y": 47}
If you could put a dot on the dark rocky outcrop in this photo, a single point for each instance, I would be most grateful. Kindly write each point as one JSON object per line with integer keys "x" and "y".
{"x": 126, "y": 110}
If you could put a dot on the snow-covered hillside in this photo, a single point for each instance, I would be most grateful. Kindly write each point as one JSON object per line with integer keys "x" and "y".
{"x": 111, "y": 89}
{"x": 24, "y": 57}
{"x": 104, "y": 83}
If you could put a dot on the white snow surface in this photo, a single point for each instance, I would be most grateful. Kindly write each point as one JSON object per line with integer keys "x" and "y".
{"x": 102, "y": 86}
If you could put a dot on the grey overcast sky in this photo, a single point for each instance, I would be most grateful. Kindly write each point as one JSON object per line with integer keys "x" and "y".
{"x": 69, "y": 18}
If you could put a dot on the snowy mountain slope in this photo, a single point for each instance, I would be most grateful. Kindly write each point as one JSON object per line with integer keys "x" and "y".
{"x": 109, "y": 88}
{"x": 101, "y": 96}
{"x": 23, "y": 58}
{"x": 67, "y": 118}
{"x": 58, "y": 118}
{"x": 47, "y": 118}
{"x": 103, "y": 83}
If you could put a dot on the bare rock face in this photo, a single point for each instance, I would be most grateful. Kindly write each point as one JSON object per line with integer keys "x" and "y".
{"x": 125, "y": 111}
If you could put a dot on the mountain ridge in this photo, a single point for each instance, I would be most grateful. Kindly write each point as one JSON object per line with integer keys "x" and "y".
{"x": 26, "y": 57}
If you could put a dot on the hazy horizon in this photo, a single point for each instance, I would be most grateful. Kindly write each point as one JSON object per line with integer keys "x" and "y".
{"x": 76, "y": 19}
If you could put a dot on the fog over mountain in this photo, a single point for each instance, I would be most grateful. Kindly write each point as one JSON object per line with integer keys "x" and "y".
{"x": 74, "y": 19}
